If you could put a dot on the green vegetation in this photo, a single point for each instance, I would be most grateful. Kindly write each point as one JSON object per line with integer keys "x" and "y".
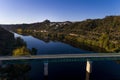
{"x": 19, "y": 31}
{"x": 22, "y": 51}
{"x": 19, "y": 42}
{"x": 99, "y": 35}
{"x": 15, "y": 47}
{"x": 11, "y": 46}
{"x": 20, "y": 48}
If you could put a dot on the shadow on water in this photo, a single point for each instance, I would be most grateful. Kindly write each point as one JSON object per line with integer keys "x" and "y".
{"x": 101, "y": 70}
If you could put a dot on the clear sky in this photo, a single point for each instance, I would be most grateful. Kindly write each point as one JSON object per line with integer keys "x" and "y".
{"x": 29, "y": 11}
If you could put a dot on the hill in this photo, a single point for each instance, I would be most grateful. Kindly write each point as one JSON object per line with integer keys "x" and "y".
{"x": 6, "y": 41}
{"x": 101, "y": 35}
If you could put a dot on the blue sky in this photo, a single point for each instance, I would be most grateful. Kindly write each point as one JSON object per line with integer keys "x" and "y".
{"x": 29, "y": 11}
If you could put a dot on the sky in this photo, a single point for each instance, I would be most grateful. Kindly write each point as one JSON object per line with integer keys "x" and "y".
{"x": 30, "y": 11}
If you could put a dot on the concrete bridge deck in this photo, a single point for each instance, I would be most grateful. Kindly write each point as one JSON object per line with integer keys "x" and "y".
{"x": 91, "y": 56}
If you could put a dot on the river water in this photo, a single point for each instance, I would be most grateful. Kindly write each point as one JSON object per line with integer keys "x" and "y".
{"x": 101, "y": 70}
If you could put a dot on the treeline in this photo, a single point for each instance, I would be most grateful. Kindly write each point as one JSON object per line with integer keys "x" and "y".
{"x": 103, "y": 45}
{"x": 101, "y": 35}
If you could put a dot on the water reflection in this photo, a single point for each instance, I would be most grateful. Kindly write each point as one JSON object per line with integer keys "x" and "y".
{"x": 34, "y": 70}
{"x": 52, "y": 47}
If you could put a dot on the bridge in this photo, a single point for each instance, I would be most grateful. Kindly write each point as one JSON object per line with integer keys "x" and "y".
{"x": 89, "y": 58}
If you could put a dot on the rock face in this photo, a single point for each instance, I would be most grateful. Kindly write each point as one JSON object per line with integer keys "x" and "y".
{"x": 6, "y": 41}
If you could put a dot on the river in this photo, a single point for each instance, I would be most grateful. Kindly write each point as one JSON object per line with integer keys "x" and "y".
{"x": 101, "y": 70}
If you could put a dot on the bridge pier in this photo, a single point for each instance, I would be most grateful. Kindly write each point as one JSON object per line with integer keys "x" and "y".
{"x": 88, "y": 69}
{"x": 46, "y": 70}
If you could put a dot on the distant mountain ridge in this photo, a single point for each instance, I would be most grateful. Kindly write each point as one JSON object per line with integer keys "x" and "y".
{"x": 109, "y": 24}
{"x": 104, "y": 33}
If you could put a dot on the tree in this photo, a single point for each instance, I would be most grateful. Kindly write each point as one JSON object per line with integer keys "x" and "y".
{"x": 22, "y": 51}
{"x": 46, "y": 21}
{"x": 19, "y": 30}
{"x": 104, "y": 41}
{"x": 34, "y": 51}
{"x": 19, "y": 42}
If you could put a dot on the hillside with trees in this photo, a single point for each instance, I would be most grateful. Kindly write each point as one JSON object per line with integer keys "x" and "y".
{"x": 99, "y": 35}
{"x": 6, "y": 42}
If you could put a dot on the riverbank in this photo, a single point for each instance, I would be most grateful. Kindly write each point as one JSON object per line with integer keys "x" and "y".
{"x": 99, "y": 35}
